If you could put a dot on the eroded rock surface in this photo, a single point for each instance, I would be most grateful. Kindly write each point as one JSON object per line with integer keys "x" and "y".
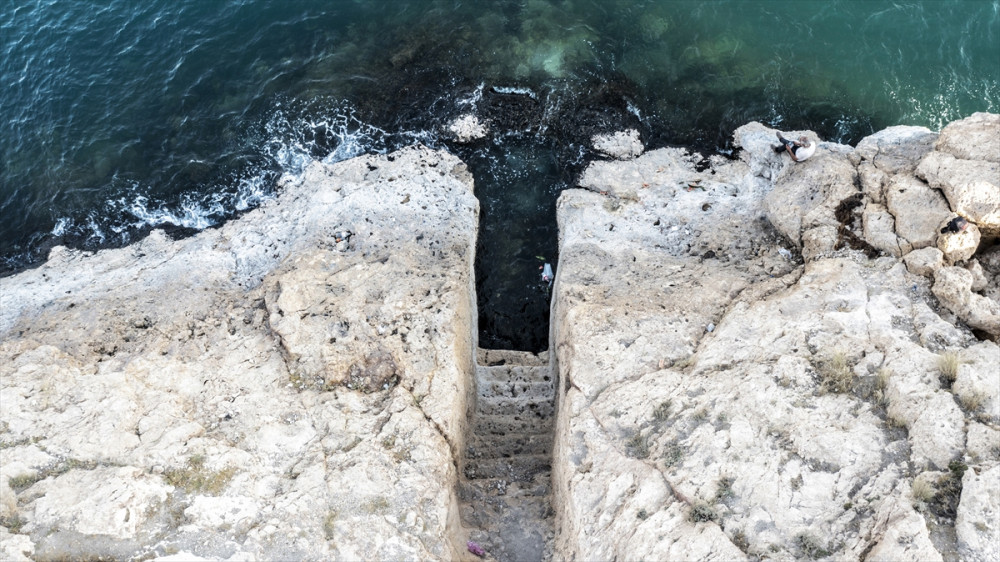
{"x": 749, "y": 370}
{"x": 292, "y": 385}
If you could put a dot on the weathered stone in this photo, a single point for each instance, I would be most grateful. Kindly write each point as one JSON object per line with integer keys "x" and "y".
{"x": 977, "y": 525}
{"x": 622, "y": 145}
{"x": 879, "y": 230}
{"x": 972, "y": 187}
{"x": 15, "y": 548}
{"x": 953, "y": 287}
{"x": 918, "y": 210}
{"x": 895, "y": 150}
{"x": 806, "y": 195}
{"x": 467, "y": 128}
{"x": 114, "y": 502}
{"x": 977, "y": 383}
{"x": 977, "y": 137}
{"x": 983, "y": 443}
{"x": 182, "y": 363}
{"x": 979, "y": 279}
{"x": 958, "y": 246}
{"x": 900, "y": 534}
{"x": 924, "y": 261}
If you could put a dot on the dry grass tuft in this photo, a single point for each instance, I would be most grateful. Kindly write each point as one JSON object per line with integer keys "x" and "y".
{"x": 947, "y": 365}
{"x": 836, "y": 373}
{"x": 922, "y": 490}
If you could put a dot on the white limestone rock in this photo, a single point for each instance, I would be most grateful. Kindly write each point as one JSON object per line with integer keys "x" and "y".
{"x": 879, "y": 230}
{"x": 971, "y": 187}
{"x": 953, "y": 287}
{"x": 114, "y": 502}
{"x": 977, "y": 383}
{"x": 972, "y": 138}
{"x": 983, "y": 444}
{"x": 156, "y": 395}
{"x": 15, "y": 548}
{"x": 621, "y": 145}
{"x": 977, "y": 524}
{"x": 895, "y": 150}
{"x": 467, "y": 128}
{"x": 918, "y": 210}
{"x": 958, "y": 246}
{"x": 924, "y": 261}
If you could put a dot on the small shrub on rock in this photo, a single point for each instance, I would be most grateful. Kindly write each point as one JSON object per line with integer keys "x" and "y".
{"x": 836, "y": 374}
{"x": 701, "y": 512}
{"x": 947, "y": 364}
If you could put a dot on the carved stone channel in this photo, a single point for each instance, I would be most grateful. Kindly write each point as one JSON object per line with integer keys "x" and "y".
{"x": 505, "y": 481}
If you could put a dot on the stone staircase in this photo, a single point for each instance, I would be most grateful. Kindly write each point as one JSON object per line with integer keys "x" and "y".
{"x": 504, "y": 485}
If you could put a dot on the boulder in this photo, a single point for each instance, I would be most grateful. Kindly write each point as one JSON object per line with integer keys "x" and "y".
{"x": 622, "y": 145}
{"x": 895, "y": 150}
{"x": 976, "y": 137}
{"x": 957, "y": 246}
{"x": 953, "y": 287}
{"x": 924, "y": 261}
{"x": 972, "y": 187}
{"x": 976, "y": 525}
{"x": 466, "y": 128}
{"x": 918, "y": 210}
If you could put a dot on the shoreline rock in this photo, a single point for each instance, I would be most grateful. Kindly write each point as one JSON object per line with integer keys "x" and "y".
{"x": 755, "y": 359}
{"x": 195, "y": 395}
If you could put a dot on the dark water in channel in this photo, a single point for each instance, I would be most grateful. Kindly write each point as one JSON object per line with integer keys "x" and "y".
{"x": 121, "y": 116}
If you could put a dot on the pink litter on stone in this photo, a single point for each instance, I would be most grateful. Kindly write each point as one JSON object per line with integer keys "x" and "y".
{"x": 475, "y": 549}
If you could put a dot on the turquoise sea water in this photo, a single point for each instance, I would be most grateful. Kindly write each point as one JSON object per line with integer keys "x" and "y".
{"x": 120, "y": 116}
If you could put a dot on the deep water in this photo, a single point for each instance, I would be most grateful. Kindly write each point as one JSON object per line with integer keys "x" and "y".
{"x": 121, "y": 116}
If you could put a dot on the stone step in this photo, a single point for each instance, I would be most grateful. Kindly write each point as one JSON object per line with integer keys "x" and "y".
{"x": 505, "y": 486}
{"x": 503, "y": 406}
{"x": 516, "y": 389}
{"x": 499, "y": 446}
{"x": 508, "y": 374}
{"x": 522, "y": 468}
{"x": 476, "y": 490}
{"x": 490, "y": 357}
{"x": 528, "y": 424}
{"x": 483, "y": 511}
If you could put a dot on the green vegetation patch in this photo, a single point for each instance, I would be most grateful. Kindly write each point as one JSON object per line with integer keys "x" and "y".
{"x": 196, "y": 479}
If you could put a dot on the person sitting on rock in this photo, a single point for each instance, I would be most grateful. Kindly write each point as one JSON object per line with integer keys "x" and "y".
{"x": 799, "y": 150}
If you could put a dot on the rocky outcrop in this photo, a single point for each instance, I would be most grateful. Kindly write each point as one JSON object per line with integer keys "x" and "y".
{"x": 622, "y": 145}
{"x": 786, "y": 388}
{"x": 291, "y": 385}
{"x": 753, "y": 359}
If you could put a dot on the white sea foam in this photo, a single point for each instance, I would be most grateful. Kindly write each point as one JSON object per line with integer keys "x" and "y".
{"x": 62, "y": 225}
{"x": 472, "y": 100}
{"x": 516, "y": 91}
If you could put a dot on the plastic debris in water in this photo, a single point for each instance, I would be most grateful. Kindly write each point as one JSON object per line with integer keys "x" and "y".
{"x": 475, "y": 549}
{"x": 547, "y": 274}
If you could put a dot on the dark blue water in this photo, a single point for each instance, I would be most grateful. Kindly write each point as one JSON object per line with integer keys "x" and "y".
{"x": 121, "y": 116}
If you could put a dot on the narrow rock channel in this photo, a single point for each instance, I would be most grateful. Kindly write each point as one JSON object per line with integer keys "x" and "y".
{"x": 505, "y": 481}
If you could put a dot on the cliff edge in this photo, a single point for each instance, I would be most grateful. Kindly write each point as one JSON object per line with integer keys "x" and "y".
{"x": 292, "y": 385}
{"x": 762, "y": 359}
